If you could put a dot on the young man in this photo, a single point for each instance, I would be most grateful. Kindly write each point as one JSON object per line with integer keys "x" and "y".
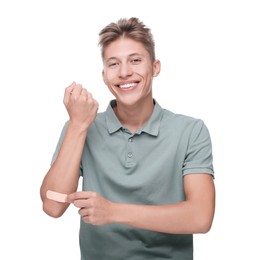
{"x": 147, "y": 172}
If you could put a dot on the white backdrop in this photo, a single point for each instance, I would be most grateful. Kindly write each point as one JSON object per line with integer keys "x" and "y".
{"x": 208, "y": 51}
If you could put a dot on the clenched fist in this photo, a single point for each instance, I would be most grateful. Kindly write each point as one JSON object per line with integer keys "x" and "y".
{"x": 80, "y": 105}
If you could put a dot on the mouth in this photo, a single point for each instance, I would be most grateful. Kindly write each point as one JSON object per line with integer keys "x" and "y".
{"x": 129, "y": 85}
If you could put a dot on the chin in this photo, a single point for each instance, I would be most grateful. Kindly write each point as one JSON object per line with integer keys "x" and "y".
{"x": 129, "y": 101}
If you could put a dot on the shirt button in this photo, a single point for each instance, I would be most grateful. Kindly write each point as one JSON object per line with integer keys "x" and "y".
{"x": 130, "y": 140}
{"x": 130, "y": 155}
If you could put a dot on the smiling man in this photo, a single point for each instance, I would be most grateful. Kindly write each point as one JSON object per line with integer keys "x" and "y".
{"x": 147, "y": 172}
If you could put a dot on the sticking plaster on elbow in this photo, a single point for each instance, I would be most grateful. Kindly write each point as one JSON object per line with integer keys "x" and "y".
{"x": 53, "y": 195}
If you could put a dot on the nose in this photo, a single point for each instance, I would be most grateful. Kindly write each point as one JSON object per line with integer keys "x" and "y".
{"x": 125, "y": 70}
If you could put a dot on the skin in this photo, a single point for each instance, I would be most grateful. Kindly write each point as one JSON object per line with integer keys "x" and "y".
{"x": 125, "y": 62}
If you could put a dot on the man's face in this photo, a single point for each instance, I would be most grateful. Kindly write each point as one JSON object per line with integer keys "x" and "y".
{"x": 128, "y": 71}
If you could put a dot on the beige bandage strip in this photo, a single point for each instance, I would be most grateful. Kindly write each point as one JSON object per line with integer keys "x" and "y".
{"x": 53, "y": 195}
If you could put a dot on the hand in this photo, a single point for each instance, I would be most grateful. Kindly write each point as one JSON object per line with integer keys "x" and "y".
{"x": 94, "y": 209}
{"x": 80, "y": 105}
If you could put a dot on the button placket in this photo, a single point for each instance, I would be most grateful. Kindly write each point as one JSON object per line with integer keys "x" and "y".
{"x": 129, "y": 160}
{"x": 130, "y": 154}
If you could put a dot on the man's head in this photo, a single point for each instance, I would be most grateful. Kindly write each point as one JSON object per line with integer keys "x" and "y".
{"x": 129, "y": 61}
{"x": 127, "y": 28}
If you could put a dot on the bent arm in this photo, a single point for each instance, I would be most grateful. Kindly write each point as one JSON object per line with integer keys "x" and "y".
{"x": 63, "y": 176}
{"x": 194, "y": 215}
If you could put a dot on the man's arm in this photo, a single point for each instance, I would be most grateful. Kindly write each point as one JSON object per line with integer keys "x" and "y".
{"x": 194, "y": 215}
{"x": 63, "y": 175}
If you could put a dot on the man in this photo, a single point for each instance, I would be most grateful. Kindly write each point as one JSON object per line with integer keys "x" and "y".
{"x": 147, "y": 172}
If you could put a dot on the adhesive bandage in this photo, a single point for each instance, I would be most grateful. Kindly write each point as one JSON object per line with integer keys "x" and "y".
{"x": 53, "y": 195}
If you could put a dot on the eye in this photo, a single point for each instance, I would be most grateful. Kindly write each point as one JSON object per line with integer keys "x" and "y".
{"x": 135, "y": 61}
{"x": 113, "y": 65}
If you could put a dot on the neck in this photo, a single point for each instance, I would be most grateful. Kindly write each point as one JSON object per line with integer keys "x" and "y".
{"x": 134, "y": 117}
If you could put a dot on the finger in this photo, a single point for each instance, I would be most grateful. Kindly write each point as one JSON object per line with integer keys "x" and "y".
{"x": 80, "y": 195}
{"x": 84, "y": 93}
{"x": 68, "y": 91}
{"x": 90, "y": 97}
{"x": 83, "y": 203}
{"x": 76, "y": 91}
{"x": 84, "y": 212}
{"x": 87, "y": 219}
{"x": 70, "y": 88}
{"x": 92, "y": 100}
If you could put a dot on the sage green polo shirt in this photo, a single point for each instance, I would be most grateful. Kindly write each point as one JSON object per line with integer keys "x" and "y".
{"x": 145, "y": 167}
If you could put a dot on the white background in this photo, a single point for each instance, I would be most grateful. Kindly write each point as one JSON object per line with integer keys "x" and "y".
{"x": 209, "y": 56}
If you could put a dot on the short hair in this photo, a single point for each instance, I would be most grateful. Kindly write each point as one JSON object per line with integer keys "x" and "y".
{"x": 130, "y": 28}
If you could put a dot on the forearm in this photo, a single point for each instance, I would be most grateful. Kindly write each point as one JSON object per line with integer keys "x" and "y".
{"x": 182, "y": 218}
{"x": 63, "y": 175}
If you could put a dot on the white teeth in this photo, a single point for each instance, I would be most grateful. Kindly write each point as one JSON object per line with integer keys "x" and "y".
{"x": 127, "y": 85}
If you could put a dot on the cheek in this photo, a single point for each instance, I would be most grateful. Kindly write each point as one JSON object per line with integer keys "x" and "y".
{"x": 146, "y": 71}
{"x": 109, "y": 77}
{"x": 109, "y": 80}
{"x": 147, "y": 75}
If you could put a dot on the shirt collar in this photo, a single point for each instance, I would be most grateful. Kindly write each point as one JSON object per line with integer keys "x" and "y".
{"x": 113, "y": 123}
{"x": 151, "y": 127}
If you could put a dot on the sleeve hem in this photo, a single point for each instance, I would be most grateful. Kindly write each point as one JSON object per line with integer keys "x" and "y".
{"x": 196, "y": 171}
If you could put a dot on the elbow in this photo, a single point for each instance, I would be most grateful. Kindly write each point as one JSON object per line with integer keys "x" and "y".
{"x": 53, "y": 209}
{"x": 203, "y": 225}
{"x": 204, "y": 228}
{"x": 203, "y": 219}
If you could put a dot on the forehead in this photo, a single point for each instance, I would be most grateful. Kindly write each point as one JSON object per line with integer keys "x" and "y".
{"x": 124, "y": 47}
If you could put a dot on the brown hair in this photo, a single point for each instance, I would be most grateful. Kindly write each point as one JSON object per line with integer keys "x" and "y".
{"x": 128, "y": 28}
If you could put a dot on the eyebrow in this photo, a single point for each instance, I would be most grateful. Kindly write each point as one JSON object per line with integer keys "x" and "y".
{"x": 130, "y": 55}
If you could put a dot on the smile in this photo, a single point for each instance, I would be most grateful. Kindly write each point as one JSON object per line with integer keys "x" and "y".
{"x": 127, "y": 85}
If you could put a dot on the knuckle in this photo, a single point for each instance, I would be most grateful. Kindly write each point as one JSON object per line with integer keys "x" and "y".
{"x": 80, "y": 211}
{"x": 90, "y": 101}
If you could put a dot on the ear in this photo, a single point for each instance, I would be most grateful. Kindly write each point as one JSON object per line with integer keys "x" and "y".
{"x": 156, "y": 68}
{"x": 103, "y": 76}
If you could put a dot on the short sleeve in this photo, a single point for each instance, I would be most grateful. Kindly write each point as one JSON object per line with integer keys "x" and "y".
{"x": 199, "y": 158}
